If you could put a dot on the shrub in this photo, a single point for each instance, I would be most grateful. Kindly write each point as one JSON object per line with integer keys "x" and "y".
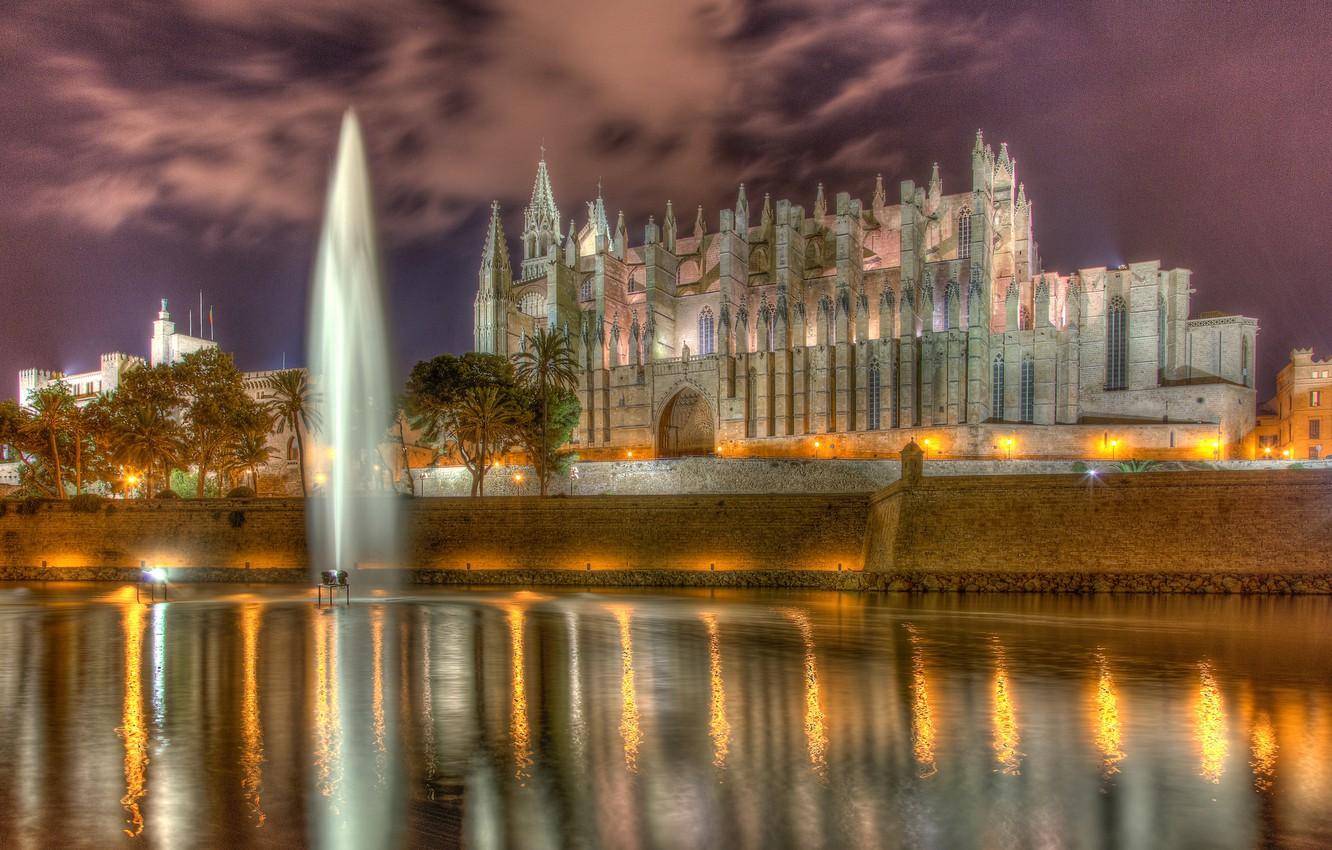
{"x": 166, "y": 494}
{"x": 1137, "y": 465}
{"x": 86, "y": 503}
{"x": 236, "y": 518}
{"x": 241, "y": 492}
{"x": 29, "y": 506}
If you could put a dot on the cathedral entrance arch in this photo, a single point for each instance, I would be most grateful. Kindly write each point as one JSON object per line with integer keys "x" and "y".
{"x": 685, "y": 427}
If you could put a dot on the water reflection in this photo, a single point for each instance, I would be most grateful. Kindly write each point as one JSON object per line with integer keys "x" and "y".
{"x": 718, "y": 727}
{"x": 630, "y": 733}
{"x": 1210, "y": 725}
{"x": 1006, "y": 741}
{"x": 1108, "y": 732}
{"x": 133, "y": 729}
{"x": 252, "y": 733}
{"x": 519, "y": 731}
{"x": 922, "y": 720}
{"x": 809, "y": 721}
{"x": 816, "y": 723}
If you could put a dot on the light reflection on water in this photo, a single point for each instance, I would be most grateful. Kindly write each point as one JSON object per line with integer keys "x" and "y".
{"x": 664, "y": 720}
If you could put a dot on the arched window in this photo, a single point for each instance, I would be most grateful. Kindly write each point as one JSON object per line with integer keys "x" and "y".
{"x": 1027, "y": 402}
{"x": 707, "y": 335}
{"x": 772, "y": 330}
{"x": 1024, "y": 318}
{"x": 1116, "y": 344}
{"x": 292, "y": 455}
{"x": 1160, "y": 338}
{"x": 964, "y": 234}
{"x": 1244, "y": 361}
{"x": 874, "y": 394}
{"x": 585, "y": 291}
{"x": 997, "y": 388}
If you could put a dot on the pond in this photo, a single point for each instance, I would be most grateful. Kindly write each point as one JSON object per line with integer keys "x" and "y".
{"x": 498, "y": 718}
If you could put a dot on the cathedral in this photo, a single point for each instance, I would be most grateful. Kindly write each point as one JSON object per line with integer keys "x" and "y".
{"x": 850, "y": 330}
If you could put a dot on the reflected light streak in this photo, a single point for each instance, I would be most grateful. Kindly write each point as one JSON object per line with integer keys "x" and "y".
{"x": 252, "y": 733}
{"x": 377, "y": 686}
{"x": 1109, "y": 728}
{"x": 1006, "y": 740}
{"x": 1210, "y": 725}
{"x": 427, "y": 700}
{"x": 1262, "y": 742}
{"x": 630, "y": 732}
{"x": 328, "y": 743}
{"x": 577, "y": 726}
{"x": 922, "y": 721}
{"x": 132, "y": 729}
{"x": 159, "y": 665}
{"x": 816, "y": 723}
{"x": 718, "y": 726}
{"x": 519, "y": 731}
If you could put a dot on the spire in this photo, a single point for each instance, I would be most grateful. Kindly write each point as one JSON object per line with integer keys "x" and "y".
{"x": 542, "y": 209}
{"x": 742, "y": 212}
{"x": 571, "y": 246}
{"x": 765, "y": 218}
{"x": 668, "y": 228}
{"x": 1004, "y": 162}
{"x": 1022, "y": 195}
{"x": 495, "y": 253}
{"x": 820, "y": 205}
{"x": 596, "y": 215}
{"x": 621, "y": 236}
{"x": 880, "y": 198}
{"x": 936, "y": 185}
{"x": 699, "y": 227}
{"x": 979, "y": 147}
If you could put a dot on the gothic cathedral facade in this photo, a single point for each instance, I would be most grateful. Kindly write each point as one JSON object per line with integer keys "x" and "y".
{"x": 855, "y": 329}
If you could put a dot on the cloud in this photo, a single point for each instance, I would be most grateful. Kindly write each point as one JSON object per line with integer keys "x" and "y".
{"x": 226, "y": 110}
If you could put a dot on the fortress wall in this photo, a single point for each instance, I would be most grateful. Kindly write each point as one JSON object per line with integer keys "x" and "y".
{"x": 1206, "y": 523}
{"x": 770, "y": 532}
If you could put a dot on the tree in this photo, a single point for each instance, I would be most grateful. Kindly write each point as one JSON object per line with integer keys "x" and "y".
{"x": 488, "y": 419}
{"x": 29, "y": 446}
{"x": 296, "y": 406}
{"x": 548, "y": 368}
{"x": 249, "y": 448}
{"x": 433, "y": 400}
{"x": 147, "y": 437}
{"x": 216, "y": 407}
{"x": 546, "y": 430}
{"x": 51, "y": 409}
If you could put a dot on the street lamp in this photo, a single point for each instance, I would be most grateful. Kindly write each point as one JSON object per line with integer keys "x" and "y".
{"x": 1114, "y": 447}
{"x": 925, "y": 444}
{"x": 1216, "y": 450}
{"x": 1008, "y": 448}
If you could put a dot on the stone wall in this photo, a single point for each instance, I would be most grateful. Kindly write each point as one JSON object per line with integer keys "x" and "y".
{"x": 1217, "y": 523}
{"x": 769, "y": 532}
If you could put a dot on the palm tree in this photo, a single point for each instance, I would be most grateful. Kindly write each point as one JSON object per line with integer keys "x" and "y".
{"x": 547, "y": 366}
{"x": 486, "y": 419}
{"x": 147, "y": 437}
{"x": 250, "y": 450}
{"x": 51, "y": 407}
{"x": 296, "y": 405}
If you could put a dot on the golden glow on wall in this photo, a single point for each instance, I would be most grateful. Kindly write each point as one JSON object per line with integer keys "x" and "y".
{"x": 718, "y": 726}
{"x": 1263, "y": 745}
{"x": 630, "y": 732}
{"x": 252, "y": 733}
{"x": 1006, "y": 740}
{"x": 816, "y": 723}
{"x": 519, "y": 730}
{"x": 377, "y": 686}
{"x": 922, "y": 721}
{"x": 1109, "y": 727}
{"x": 133, "y": 729}
{"x": 1210, "y": 725}
{"x": 327, "y": 727}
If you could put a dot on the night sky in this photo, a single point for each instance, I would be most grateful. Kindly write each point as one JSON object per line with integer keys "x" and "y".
{"x": 154, "y": 148}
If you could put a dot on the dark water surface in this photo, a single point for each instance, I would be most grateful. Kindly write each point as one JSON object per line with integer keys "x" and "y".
{"x": 230, "y": 718}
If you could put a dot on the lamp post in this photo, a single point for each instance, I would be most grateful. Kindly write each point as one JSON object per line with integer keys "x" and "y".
{"x": 1008, "y": 448}
{"x": 1114, "y": 449}
{"x": 925, "y": 444}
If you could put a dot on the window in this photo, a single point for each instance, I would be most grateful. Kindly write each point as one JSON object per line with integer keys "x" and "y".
{"x": 1267, "y": 441}
{"x": 1028, "y": 395}
{"x": 1315, "y": 398}
{"x": 1024, "y": 318}
{"x": 874, "y": 393}
{"x": 1315, "y": 452}
{"x": 997, "y": 388}
{"x": 707, "y": 335}
{"x": 1161, "y": 337}
{"x": 1315, "y": 429}
{"x": 1244, "y": 361}
{"x": 964, "y": 234}
{"x": 1116, "y": 344}
{"x": 585, "y": 291}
